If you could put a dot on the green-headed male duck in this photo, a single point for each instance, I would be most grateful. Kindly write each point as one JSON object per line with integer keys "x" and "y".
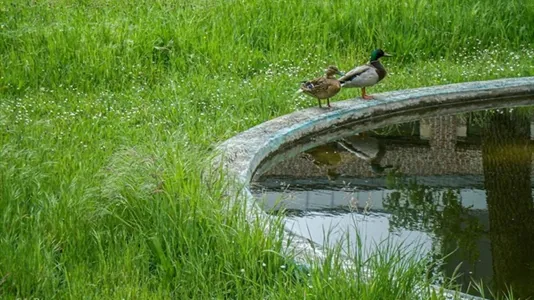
{"x": 323, "y": 87}
{"x": 366, "y": 75}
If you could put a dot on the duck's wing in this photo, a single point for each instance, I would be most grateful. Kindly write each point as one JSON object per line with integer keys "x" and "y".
{"x": 309, "y": 85}
{"x": 321, "y": 88}
{"x": 361, "y": 76}
{"x": 314, "y": 84}
{"x": 354, "y": 73}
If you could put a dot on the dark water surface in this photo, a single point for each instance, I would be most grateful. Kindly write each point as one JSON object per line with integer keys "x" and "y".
{"x": 459, "y": 184}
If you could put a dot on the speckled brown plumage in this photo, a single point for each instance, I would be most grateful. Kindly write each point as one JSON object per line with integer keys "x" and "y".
{"x": 323, "y": 87}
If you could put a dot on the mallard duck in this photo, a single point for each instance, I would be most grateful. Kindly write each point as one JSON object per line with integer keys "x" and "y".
{"x": 370, "y": 149}
{"x": 325, "y": 157}
{"x": 366, "y": 75}
{"x": 323, "y": 87}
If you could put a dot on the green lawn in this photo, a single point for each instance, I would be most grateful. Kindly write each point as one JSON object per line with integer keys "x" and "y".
{"x": 110, "y": 109}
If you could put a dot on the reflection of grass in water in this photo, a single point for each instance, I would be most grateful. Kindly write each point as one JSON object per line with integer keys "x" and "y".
{"x": 435, "y": 210}
{"x": 475, "y": 120}
{"x": 402, "y": 129}
{"x": 418, "y": 207}
{"x": 398, "y": 273}
{"x": 379, "y": 261}
{"x": 384, "y": 269}
{"x": 480, "y": 119}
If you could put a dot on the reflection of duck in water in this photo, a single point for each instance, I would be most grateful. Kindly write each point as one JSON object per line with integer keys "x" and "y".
{"x": 325, "y": 156}
{"x": 367, "y": 148}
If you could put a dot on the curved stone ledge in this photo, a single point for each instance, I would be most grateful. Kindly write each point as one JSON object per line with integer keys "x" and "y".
{"x": 244, "y": 153}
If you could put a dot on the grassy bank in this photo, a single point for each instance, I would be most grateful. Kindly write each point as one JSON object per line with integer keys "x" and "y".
{"x": 109, "y": 111}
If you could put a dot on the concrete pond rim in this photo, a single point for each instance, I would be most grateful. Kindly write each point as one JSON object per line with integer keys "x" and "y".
{"x": 259, "y": 147}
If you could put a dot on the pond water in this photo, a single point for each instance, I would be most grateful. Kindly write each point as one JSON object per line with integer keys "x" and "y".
{"x": 459, "y": 183}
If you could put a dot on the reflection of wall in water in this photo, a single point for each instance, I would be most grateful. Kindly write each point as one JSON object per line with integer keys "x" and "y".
{"x": 451, "y": 149}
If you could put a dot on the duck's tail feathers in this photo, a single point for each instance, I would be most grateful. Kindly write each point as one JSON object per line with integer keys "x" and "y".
{"x": 303, "y": 85}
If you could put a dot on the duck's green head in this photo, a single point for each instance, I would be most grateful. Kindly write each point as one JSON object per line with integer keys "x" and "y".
{"x": 378, "y": 53}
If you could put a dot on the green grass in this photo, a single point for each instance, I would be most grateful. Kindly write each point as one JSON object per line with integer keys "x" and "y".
{"x": 109, "y": 111}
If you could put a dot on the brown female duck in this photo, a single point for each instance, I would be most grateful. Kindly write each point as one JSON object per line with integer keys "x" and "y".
{"x": 323, "y": 87}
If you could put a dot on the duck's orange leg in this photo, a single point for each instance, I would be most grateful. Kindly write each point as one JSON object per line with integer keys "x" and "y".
{"x": 365, "y": 96}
